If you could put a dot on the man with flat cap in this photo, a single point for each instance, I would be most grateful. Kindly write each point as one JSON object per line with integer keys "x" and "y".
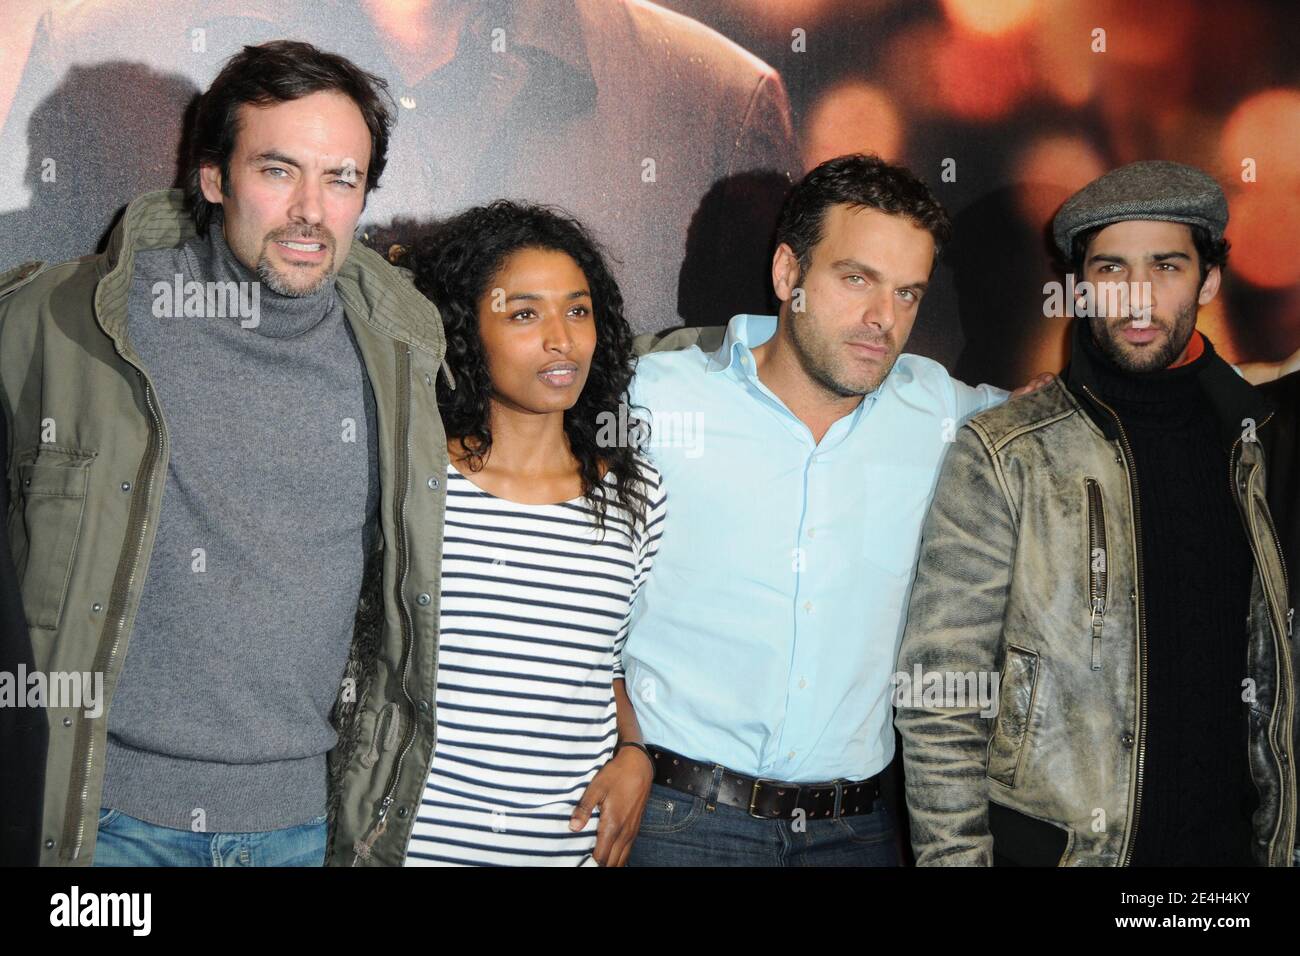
{"x": 1104, "y": 549}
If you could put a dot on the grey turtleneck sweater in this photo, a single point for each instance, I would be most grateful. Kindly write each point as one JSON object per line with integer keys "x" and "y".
{"x": 220, "y": 720}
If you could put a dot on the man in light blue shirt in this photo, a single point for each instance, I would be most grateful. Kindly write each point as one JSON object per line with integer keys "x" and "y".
{"x": 801, "y": 456}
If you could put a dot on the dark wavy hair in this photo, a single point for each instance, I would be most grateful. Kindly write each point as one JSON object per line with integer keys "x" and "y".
{"x": 454, "y": 262}
{"x": 861, "y": 180}
{"x": 277, "y": 72}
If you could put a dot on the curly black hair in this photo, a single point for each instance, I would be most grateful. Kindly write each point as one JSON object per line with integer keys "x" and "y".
{"x": 454, "y": 263}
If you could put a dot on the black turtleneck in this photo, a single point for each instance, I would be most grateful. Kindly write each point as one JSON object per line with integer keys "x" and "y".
{"x": 1196, "y": 575}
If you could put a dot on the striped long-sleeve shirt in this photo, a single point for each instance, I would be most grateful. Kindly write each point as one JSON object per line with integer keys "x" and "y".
{"x": 535, "y": 612}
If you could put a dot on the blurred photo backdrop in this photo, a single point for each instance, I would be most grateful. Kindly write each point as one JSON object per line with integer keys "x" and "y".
{"x": 673, "y": 129}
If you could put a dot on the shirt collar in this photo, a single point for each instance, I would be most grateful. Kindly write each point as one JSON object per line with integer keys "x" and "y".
{"x": 744, "y": 333}
{"x": 553, "y": 27}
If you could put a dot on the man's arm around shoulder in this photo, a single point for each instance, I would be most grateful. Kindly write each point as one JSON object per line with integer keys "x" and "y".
{"x": 954, "y": 627}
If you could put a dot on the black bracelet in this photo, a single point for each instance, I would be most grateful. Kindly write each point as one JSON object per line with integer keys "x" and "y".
{"x": 639, "y": 746}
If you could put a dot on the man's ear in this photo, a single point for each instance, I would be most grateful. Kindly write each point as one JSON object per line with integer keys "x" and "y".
{"x": 1210, "y": 287}
{"x": 210, "y": 182}
{"x": 785, "y": 272}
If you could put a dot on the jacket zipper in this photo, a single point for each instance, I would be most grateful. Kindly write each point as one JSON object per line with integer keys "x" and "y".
{"x": 1097, "y": 558}
{"x": 75, "y": 829}
{"x": 363, "y": 846}
{"x": 1131, "y": 469}
{"x": 1286, "y": 580}
{"x": 1283, "y": 628}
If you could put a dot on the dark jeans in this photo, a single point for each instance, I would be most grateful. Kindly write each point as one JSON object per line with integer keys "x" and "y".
{"x": 678, "y": 829}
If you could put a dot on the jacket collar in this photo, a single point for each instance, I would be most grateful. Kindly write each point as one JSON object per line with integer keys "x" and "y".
{"x": 371, "y": 289}
{"x": 1233, "y": 398}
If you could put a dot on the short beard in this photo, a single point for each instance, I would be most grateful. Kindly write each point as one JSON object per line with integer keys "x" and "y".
{"x": 275, "y": 281}
{"x": 817, "y": 362}
{"x": 1175, "y": 342}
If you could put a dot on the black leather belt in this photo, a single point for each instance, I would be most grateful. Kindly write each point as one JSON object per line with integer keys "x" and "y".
{"x": 767, "y": 799}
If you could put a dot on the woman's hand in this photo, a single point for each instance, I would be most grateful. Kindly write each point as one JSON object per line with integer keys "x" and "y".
{"x": 620, "y": 789}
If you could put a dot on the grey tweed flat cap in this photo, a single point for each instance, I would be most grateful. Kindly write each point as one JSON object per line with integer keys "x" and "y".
{"x": 1151, "y": 189}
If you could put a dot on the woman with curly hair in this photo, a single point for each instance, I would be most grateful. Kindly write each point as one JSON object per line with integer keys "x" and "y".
{"x": 553, "y": 520}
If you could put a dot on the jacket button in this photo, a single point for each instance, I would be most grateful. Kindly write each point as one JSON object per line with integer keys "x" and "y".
{"x": 422, "y": 600}
{"x": 126, "y": 486}
{"x": 67, "y": 721}
{"x": 49, "y": 844}
{"x": 1127, "y": 739}
{"x": 96, "y": 607}
{"x": 424, "y": 706}
{"x": 401, "y": 812}
{"x": 434, "y": 483}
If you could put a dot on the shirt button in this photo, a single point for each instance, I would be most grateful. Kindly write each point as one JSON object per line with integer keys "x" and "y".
{"x": 802, "y": 683}
{"x": 791, "y": 757}
{"x": 807, "y": 606}
{"x": 812, "y": 532}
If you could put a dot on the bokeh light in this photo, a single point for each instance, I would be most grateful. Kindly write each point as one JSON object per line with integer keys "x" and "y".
{"x": 990, "y": 17}
{"x": 852, "y": 118}
{"x": 980, "y": 78}
{"x": 1049, "y": 171}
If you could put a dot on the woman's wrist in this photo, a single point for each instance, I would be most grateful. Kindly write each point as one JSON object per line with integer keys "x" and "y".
{"x": 639, "y": 746}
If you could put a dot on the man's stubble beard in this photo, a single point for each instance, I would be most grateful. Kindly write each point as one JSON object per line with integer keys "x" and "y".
{"x": 276, "y": 280}
{"x": 818, "y": 358}
{"x": 1175, "y": 342}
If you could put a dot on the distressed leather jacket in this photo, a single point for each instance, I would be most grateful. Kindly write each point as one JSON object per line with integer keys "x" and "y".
{"x": 1006, "y": 585}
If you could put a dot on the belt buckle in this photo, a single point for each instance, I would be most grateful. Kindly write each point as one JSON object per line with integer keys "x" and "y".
{"x": 753, "y": 794}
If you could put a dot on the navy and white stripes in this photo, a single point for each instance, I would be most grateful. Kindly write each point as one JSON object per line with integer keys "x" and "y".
{"x": 535, "y": 611}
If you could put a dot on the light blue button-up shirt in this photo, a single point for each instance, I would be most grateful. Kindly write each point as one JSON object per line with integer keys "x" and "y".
{"x": 766, "y": 637}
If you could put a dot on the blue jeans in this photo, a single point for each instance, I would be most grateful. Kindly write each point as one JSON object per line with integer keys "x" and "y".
{"x": 678, "y": 829}
{"x": 125, "y": 841}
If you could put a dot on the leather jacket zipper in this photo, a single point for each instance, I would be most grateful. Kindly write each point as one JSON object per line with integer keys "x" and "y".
{"x": 1131, "y": 468}
{"x": 1283, "y": 627}
{"x": 1097, "y": 558}
{"x": 363, "y": 847}
{"x": 74, "y": 831}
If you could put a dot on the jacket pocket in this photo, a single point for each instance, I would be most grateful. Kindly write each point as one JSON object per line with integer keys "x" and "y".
{"x": 387, "y": 734}
{"x": 1022, "y": 840}
{"x": 1015, "y": 704}
{"x": 54, "y": 500}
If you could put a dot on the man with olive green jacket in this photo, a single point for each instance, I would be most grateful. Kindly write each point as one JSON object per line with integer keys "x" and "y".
{"x": 224, "y": 462}
{"x": 88, "y": 458}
